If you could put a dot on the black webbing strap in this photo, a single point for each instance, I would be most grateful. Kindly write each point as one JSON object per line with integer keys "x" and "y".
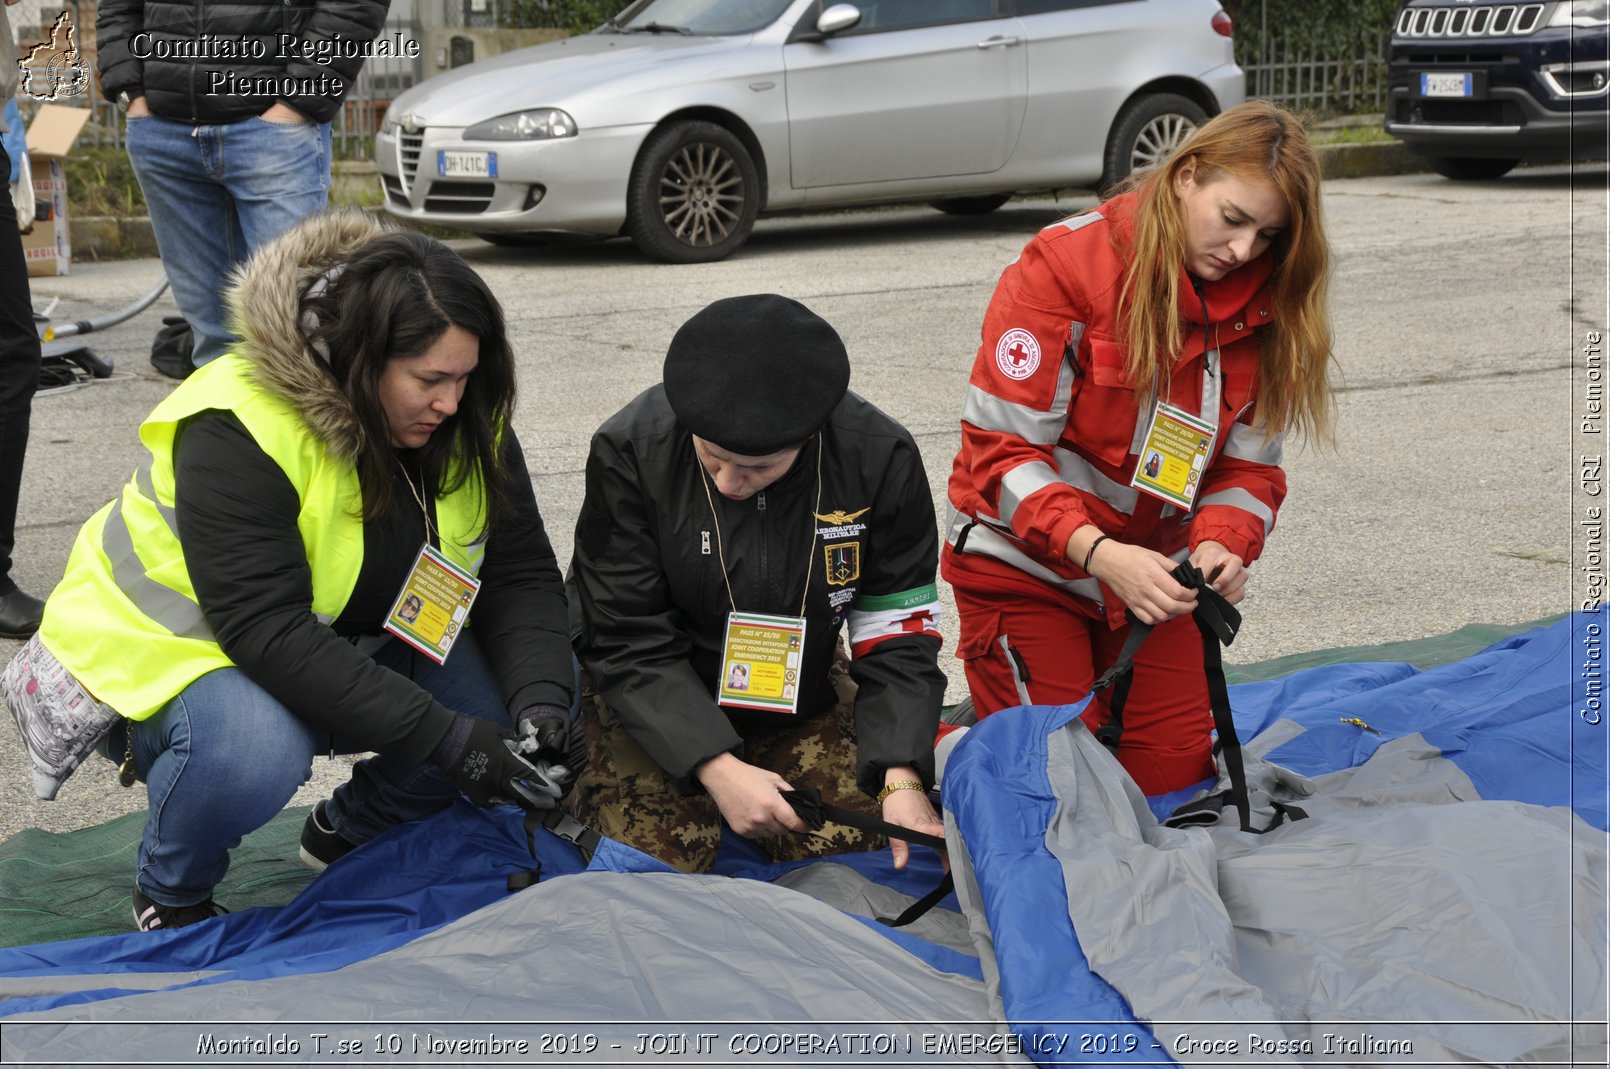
{"x": 1218, "y": 621}
{"x": 561, "y": 824}
{"x": 815, "y": 813}
{"x": 923, "y": 904}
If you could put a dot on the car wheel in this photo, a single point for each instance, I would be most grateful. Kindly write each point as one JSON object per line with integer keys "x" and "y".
{"x": 693, "y": 196}
{"x": 1147, "y": 132}
{"x": 970, "y": 205}
{"x": 1469, "y": 168}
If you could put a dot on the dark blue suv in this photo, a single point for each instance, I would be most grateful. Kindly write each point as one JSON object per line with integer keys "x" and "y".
{"x": 1478, "y": 87}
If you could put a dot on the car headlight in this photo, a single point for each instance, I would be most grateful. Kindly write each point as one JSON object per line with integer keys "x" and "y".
{"x": 1582, "y": 13}
{"x": 538, "y": 124}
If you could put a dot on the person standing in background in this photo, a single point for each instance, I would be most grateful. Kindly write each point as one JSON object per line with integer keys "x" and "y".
{"x": 19, "y": 368}
{"x": 229, "y": 109}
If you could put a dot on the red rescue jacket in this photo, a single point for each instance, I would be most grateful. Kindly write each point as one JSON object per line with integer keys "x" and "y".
{"x": 1052, "y": 430}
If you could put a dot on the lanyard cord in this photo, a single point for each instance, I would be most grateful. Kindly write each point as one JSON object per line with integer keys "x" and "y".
{"x": 721, "y": 554}
{"x": 1196, "y": 284}
{"x": 430, "y": 529}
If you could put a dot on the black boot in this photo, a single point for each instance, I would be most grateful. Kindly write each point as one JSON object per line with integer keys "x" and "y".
{"x": 20, "y": 615}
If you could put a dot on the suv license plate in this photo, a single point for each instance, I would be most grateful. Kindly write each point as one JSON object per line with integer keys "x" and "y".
{"x": 466, "y": 164}
{"x": 1445, "y": 85}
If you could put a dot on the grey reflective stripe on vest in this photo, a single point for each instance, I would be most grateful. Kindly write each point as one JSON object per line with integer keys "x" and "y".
{"x": 1076, "y": 222}
{"x": 1247, "y": 443}
{"x": 1072, "y": 470}
{"x": 1021, "y": 481}
{"x": 1210, "y": 387}
{"x": 1237, "y": 498}
{"x": 1017, "y": 678}
{"x": 142, "y": 482}
{"x": 475, "y": 554}
{"x": 990, "y": 413}
{"x": 984, "y": 540}
{"x": 163, "y": 605}
{"x": 1078, "y": 472}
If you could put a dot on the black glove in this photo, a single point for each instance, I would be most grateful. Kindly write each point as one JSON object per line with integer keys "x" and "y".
{"x": 546, "y": 732}
{"x": 484, "y": 761}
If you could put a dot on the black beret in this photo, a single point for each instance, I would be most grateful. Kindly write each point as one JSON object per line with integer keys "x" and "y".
{"x": 755, "y": 374}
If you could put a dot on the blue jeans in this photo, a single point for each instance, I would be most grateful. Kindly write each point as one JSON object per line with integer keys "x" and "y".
{"x": 216, "y": 194}
{"x": 223, "y": 757}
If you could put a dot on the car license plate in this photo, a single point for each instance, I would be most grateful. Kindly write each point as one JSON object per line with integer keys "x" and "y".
{"x": 1444, "y": 84}
{"x": 451, "y": 164}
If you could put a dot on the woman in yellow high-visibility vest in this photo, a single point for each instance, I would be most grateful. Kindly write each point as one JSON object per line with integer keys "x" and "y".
{"x": 240, "y": 605}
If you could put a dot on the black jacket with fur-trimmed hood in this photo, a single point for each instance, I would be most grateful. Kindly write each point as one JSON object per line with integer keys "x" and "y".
{"x": 237, "y": 519}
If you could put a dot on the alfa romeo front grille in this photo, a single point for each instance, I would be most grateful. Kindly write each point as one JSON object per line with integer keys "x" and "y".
{"x": 460, "y": 198}
{"x": 408, "y": 148}
{"x": 1481, "y": 20}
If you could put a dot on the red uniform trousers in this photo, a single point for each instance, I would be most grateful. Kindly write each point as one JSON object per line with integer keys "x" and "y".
{"x": 1025, "y": 643}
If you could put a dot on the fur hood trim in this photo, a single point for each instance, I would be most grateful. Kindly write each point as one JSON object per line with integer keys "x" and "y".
{"x": 265, "y": 310}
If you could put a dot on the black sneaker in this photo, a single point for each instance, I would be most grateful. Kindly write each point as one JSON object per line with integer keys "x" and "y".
{"x": 321, "y": 846}
{"x": 152, "y": 916}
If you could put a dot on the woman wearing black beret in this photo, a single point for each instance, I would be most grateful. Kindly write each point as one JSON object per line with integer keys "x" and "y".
{"x": 747, "y": 512}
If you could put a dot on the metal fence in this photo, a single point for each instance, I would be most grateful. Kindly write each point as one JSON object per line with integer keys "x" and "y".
{"x": 1324, "y": 85}
{"x": 380, "y": 81}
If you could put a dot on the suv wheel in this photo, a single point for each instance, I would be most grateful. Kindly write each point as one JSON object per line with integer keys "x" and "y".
{"x": 693, "y": 196}
{"x": 1470, "y": 168}
{"x": 1146, "y": 132}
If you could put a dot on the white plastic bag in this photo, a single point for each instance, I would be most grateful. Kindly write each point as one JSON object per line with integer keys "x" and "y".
{"x": 22, "y": 195}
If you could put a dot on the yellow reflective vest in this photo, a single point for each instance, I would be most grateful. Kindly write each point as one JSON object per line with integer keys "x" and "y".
{"x": 125, "y": 620}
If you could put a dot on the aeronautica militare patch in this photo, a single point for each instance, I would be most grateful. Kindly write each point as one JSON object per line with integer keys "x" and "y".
{"x": 843, "y": 563}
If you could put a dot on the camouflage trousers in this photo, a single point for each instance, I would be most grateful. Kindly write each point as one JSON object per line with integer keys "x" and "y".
{"x": 626, "y": 796}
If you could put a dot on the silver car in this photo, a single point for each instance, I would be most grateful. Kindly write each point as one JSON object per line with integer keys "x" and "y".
{"x": 679, "y": 121}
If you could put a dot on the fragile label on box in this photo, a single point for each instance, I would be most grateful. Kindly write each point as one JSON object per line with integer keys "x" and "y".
{"x": 48, "y": 248}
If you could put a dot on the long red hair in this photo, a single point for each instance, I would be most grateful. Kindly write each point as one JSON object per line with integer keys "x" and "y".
{"x": 1255, "y": 142}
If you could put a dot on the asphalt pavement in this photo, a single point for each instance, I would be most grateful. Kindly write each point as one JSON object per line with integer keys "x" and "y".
{"x": 1446, "y": 500}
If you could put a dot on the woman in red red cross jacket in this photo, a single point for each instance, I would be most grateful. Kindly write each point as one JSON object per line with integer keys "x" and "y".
{"x": 1184, "y": 316}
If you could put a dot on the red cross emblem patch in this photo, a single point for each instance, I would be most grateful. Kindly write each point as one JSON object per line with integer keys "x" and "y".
{"x": 1017, "y": 354}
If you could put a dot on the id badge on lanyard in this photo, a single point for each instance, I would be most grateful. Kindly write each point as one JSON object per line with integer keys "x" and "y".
{"x": 431, "y": 608}
{"x": 760, "y": 661}
{"x": 1175, "y": 455}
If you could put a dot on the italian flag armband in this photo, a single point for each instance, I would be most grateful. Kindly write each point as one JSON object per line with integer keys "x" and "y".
{"x": 877, "y": 617}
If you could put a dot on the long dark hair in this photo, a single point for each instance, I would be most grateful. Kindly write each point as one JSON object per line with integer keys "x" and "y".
{"x": 393, "y": 300}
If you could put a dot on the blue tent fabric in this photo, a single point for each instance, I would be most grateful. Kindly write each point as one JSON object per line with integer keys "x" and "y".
{"x": 408, "y": 882}
{"x": 1504, "y": 717}
{"x": 1514, "y": 719}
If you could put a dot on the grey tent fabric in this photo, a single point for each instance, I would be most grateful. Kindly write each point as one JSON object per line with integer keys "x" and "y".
{"x": 1402, "y": 898}
{"x": 31, "y": 986}
{"x": 591, "y": 947}
{"x": 845, "y": 889}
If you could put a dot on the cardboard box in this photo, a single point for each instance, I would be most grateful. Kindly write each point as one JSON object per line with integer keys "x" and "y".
{"x": 49, "y": 248}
